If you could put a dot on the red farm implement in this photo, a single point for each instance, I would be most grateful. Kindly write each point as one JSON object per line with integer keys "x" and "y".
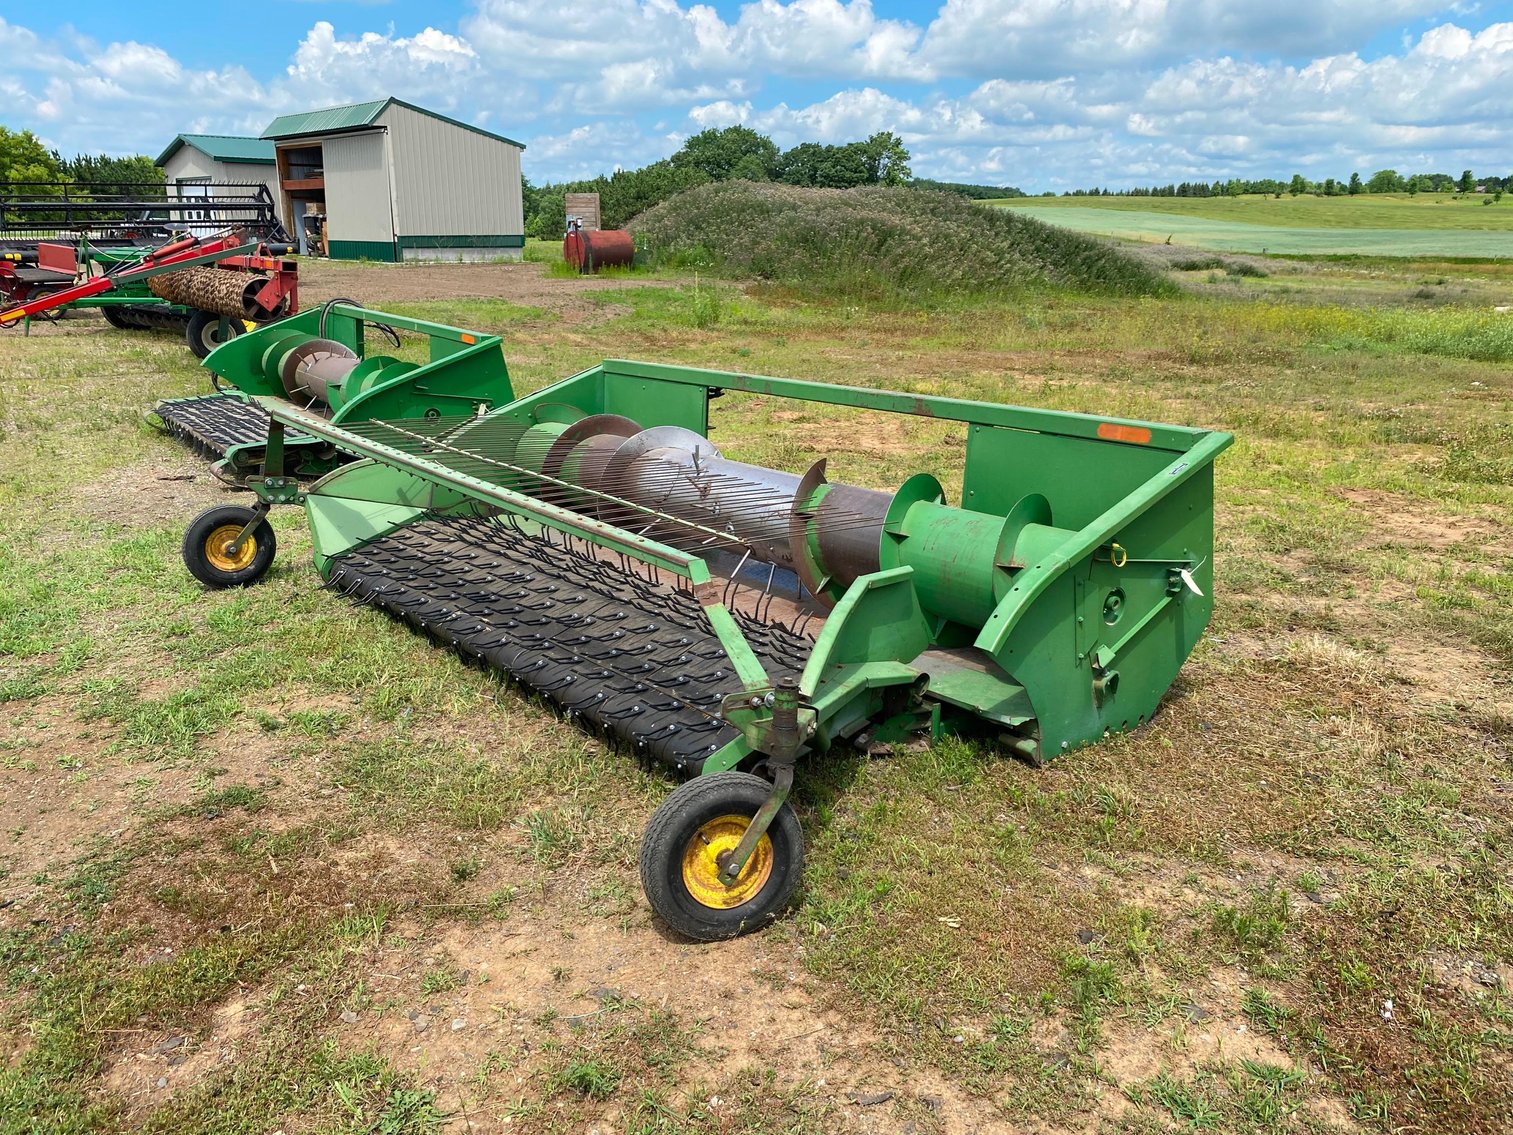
{"x": 208, "y": 265}
{"x": 209, "y": 286}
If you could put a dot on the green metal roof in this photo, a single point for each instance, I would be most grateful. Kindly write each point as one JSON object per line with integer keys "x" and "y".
{"x": 328, "y": 120}
{"x": 223, "y": 148}
{"x": 336, "y": 119}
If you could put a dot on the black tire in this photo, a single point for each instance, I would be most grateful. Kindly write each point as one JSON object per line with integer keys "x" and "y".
{"x": 203, "y": 334}
{"x": 206, "y": 537}
{"x": 52, "y": 314}
{"x": 117, "y": 317}
{"x": 710, "y": 804}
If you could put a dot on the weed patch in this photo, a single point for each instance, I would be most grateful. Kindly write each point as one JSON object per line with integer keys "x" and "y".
{"x": 881, "y": 244}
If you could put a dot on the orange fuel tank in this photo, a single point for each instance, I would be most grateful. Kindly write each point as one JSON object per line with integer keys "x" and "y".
{"x": 588, "y": 251}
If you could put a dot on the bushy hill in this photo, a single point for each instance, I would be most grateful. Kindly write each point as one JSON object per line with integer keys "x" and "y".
{"x": 881, "y": 243}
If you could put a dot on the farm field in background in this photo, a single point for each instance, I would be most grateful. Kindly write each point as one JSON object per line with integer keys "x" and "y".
{"x": 272, "y": 861}
{"x": 1370, "y": 225}
{"x": 1363, "y": 211}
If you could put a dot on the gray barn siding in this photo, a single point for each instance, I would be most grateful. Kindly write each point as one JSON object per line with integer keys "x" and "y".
{"x": 452, "y": 182}
{"x": 358, "y": 207}
{"x": 189, "y": 163}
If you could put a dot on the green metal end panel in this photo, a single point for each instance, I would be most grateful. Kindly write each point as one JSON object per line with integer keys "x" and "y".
{"x": 654, "y": 403}
{"x": 878, "y": 619}
{"x": 466, "y": 368}
{"x": 869, "y": 642}
{"x": 1097, "y": 644}
{"x": 1081, "y": 477}
{"x": 601, "y": 390}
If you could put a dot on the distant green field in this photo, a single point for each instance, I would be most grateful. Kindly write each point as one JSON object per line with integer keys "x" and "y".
{"x": 1367, "y": 211}
{"x": 1428, "y": 225}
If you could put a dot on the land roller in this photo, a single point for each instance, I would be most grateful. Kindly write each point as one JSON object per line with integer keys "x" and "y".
{"x": 725, "y": 620}
{"x": 211, "y": 288}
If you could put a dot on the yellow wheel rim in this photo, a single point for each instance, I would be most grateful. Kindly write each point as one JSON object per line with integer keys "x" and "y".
{"x": 701, "y": 864}
{"x": 217, "y": 549}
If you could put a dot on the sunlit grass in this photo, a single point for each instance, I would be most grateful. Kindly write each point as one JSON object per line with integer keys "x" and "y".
{"x": 1312, "y": 824}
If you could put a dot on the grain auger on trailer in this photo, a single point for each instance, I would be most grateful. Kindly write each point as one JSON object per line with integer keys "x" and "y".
{"x": 724, "y": 619}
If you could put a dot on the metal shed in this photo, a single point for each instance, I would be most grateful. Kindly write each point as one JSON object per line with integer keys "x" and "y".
{"x": 192, "y": 162}
{"x": 387, "y": 180}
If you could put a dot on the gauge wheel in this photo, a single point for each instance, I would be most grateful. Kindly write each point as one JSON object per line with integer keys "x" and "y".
{"x": 207, "y": 547}
{"x": 680, "y": 858}
{"x": 203, "y": 332}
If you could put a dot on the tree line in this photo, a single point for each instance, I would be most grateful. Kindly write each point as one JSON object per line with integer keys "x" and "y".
{"x": 23, "y": 158}
{"x": 1382, "y": 181}
{"x": 737, "y": 152}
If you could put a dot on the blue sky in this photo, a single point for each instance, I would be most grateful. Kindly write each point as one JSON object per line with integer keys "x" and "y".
{"x": 1044, "y": 94}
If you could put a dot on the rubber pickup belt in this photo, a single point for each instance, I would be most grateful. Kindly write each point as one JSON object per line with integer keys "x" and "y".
{"x": 631, "y": 660}
{"x": 212, "y": 424}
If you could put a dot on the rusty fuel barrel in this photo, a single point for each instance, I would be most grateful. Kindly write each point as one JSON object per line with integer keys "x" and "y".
{"x": 590, "y": 250}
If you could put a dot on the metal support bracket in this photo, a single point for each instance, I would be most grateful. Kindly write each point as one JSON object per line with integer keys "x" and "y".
{"x": 276, "y": 490}
{"x": 757, "y": 713}
{"x": 732, "y": 863}
{"x": 259, "y": 514}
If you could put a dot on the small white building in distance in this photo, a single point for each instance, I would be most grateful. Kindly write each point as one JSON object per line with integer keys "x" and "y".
{"x": 390, "y": 181}
{"x": 192, "y": 162}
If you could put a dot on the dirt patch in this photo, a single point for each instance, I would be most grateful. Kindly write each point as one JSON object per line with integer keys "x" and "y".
{"x": 1432, "y": 668}
{"x": 1451, "y": 672}
{"x": 59, "y": 798}
{"x": 85, "y": 797}
{"x": 166, "y": 491}
{"x": 532, "y": 981}
{"x": 528, "y": 285}
{"x": 1402, "y": 520}
{"x": 1210, "y": 1031}
{"x": 1471, "y": 976}
{"x": 566, "y": 298}
{"x": 152, "y": 1065}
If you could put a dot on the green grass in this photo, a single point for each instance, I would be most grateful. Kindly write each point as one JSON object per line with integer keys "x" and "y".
{"x": 1307, "y": 226}
{"x": 1446, "y": 211}
{"x": 318, "y": 813}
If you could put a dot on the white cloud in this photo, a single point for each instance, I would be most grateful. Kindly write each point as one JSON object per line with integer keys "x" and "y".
{"x": 430, "y": 65}
{"x": 825, "y": 38}
{"x": 600, "y": 147}
{"x": 718, "y": 115}
{"x": 656, "y": 52}
{"x": 1035, "y": 38}
{"x": 1047, "y": 93}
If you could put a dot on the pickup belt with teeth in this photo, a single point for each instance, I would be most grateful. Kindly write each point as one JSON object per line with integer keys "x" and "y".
{"x": 631, "y": 660}
{"x": 213, "y": 423}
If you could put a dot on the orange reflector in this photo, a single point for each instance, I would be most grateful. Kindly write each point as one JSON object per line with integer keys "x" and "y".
{"x": 1139, "y": 435}
{"x": 469, "y": 339}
